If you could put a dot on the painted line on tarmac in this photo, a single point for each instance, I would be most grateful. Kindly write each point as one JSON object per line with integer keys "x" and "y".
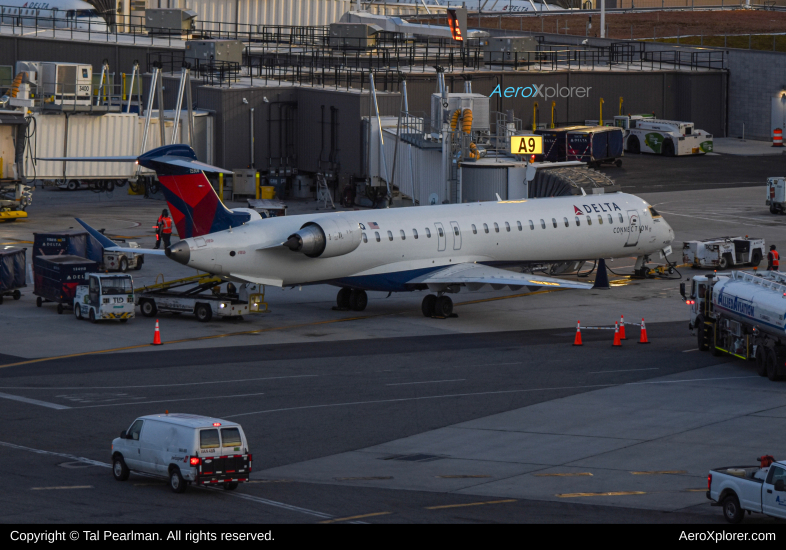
{"x": 612, "y": 494}
{"x": 445, "y": 396}
{"x": 168, "y": 400}
{"x": 462, "y": 477}
{"x": 194, "y": 339}
{"x": 690, "y": 350}
{"x": 57, "y": 488}
{"x": 470, "y": 504}
{"x": 157, "y": 385}
{"x": 33, "y": 401}
{"x": 564, "y": 475}
{"x": 625, "y": 370}
{"x": 235, "y": 495}
{"x": 336, "y": 520}
{"x": 427, "y": 382}
{"x": 658, "y": 473}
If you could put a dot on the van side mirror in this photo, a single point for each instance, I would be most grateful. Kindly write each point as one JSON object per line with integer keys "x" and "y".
{"x": 780, "y": 486}
{"x": 682, "y": 291}
{"x": 123, "y": 434}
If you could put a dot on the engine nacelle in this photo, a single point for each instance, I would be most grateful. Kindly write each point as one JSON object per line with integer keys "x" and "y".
{"x": 325, "y": 238}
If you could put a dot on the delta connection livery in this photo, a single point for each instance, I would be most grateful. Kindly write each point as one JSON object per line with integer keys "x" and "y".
{"x": 440, "y": 248}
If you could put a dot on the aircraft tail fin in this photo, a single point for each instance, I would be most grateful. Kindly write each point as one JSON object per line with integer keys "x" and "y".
{"x": 193, "y": 203}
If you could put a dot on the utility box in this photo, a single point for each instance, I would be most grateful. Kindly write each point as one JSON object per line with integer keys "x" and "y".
{"x": 170, "y": 21}
{"x": 353, "y": 36}
{"x": 244, "y": 182}
{"x": 211, "y": 51}
{"x": 478, "y": 103}
{"x": 66, "y": 83}
{"x": 506, "y": 48}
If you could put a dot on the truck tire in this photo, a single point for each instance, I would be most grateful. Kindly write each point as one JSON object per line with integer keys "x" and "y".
{"x": 712, "y": 337}
{"x": 761, "y": 360}
{"x": 772, "y": 365}
{"x": 230, "y": 485}
{"x": 148, "y": 308}
{"x": 60, "y": 309}
{"x": 732, "y": 512}
{"x": 203, "y": 313}
{"x": 119, "y": 469}
{"x": 633, "y": 145}
{"x": 756, "y": 258}
{"x": 72, "y": 185}
{"x": 774, "y": 209}
{"x": 123, "y": 265}
{"x": 39, "y": 301}
{"x": 668, "y": 148}
{"x": 78, "y": 312}
{"x": 726, "y": 262}
{"x": 139, "y": 263}
{"x": 17, "y": 295}
{"x": 176, "y": 481}
{"x": 92, "y": 316}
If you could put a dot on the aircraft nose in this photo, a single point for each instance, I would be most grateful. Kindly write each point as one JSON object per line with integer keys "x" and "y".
{"x": 180, "y": 252}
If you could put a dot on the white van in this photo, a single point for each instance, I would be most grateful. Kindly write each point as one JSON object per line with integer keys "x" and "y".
{"x": 185, "y": 448}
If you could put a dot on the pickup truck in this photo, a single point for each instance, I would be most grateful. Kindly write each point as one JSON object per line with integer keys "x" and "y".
{"x": 760, "y": 489}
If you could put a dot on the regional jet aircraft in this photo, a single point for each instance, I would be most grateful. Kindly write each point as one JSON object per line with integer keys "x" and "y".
{"x": 439, "y": 248}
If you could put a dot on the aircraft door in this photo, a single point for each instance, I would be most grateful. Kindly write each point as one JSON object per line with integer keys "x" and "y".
{"x": 441, "y": 237}
{"x": 456, "y": 235}
{"x": 633, "y": 236}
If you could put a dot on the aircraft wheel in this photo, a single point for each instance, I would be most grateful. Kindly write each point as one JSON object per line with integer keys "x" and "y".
{"x": 443, "y": 307}
{"x": 428, "y": 305}
{"x": 358, "y": 300}
{"x": 342, "y": 298}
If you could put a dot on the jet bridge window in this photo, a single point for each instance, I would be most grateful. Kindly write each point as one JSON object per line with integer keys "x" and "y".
{"x": 567, "y": 223}
{"x": 376, "y": 233}
{"x": 589, "y": 220}
{"x": 543, "y": 224}
{"x": 428, "y": 233}
{"x": 365, "y": 239}
{"x": 486, "y": 227}
{"x": 415, "y": 233}
{"x": 578, "y": 221}
{"x": 519, "y": 225}
{"x": 403, "y": 235}
{"x": 474, "y": 229}
{"x": 496, "y": 227}
{"x": 390, "y": 235}
{"x": 531, "y": 225}
{"x": 554, "y": 222}
{"x": 507, "y": 227}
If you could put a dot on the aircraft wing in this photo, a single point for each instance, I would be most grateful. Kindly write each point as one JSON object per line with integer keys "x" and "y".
{"x": 111, "y": 245}
{"x": 475, "y": 276}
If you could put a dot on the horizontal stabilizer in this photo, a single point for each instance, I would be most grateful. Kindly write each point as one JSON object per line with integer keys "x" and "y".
{"x": 190, "y": 164}
{"x": 111, "y": 246}
{"x": 89, "y": 159}
{"x": 475, "y": 276}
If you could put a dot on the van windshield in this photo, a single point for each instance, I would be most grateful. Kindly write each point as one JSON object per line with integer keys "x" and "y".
{"x": 208, "y": 439}
{"x": 230, "y": 437}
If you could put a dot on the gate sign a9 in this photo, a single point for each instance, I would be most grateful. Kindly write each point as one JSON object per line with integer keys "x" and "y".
{"x": 526, "y": 145}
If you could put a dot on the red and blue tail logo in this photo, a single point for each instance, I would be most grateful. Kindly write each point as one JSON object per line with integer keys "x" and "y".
{"x": 193, "y": 204}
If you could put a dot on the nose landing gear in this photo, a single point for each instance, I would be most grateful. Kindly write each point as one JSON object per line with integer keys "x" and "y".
{"x": 351, "y": 299}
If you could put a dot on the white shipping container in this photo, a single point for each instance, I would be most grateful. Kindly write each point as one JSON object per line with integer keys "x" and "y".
{"x": 107, "y": 135}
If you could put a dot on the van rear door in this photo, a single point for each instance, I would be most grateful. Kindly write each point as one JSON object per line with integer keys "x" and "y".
{"x": 224, "y": 453}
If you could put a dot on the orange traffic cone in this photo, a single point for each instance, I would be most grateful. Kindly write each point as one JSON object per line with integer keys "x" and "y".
{"x": 643, "y": 335}
{"x": 622, "y": 328}
{"x": 577, "y": 340}
{"x": 157, "y": 336}
{"x": 617, "y": 341}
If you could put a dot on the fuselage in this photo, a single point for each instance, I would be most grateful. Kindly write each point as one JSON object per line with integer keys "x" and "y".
{"x": 60, "y": 14}
{"x": 397, "y": 245}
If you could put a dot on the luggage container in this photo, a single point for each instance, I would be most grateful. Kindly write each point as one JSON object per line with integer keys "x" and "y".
{"x": 56, "y": 278}
{"x": 80, "y": 243}
{"x": 12, "y": 271}
{"x": 595, "y": 146}
{"x": 555, "y": 142}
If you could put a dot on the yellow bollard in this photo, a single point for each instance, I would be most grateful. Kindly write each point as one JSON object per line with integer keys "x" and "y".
{"x": 124, "y": 86}
{"x": 221, "y": 187}
{"x": 553, "y": 106}
{"x": 257, "y": 185}
{"x": 600, "y": 121}
{"x": 534, "y": 116}
{"x": 620, "y": 105}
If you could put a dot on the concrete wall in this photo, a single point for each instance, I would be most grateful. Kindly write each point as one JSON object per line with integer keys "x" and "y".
{"x": 754, "y": 79}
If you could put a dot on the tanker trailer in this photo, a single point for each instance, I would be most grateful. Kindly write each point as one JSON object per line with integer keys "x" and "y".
{"x": 741, "y": 313}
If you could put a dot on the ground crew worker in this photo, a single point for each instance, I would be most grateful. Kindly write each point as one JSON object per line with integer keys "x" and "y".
{"x": 164, "y": 231}
{"x": 773, "y": 259}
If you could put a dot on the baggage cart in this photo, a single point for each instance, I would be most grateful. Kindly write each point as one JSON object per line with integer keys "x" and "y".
{"x": 12, "y": 271}
{"x": 56, "y": 278}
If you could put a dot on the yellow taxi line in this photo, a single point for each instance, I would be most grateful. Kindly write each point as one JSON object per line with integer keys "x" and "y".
{"x": 610, "y": 494}
{"x": 469, "y": 504}
{"x": 356, "y": 517}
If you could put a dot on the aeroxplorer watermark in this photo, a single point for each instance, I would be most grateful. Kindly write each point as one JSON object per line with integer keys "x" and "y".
{"x": 541, "y": 90}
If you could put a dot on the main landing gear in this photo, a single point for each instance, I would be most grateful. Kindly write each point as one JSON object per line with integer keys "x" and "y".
{"x": 437, "y": 306}
{"x": 351, "y": 299}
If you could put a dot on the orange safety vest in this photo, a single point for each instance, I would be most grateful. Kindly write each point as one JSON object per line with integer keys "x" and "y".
{"x": 775, "y": 259}
{"x": 167, "y": 225}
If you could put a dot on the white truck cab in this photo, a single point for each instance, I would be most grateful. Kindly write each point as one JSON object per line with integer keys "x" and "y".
{"x": 753, "y": 489}
{"x": 776, "y": 195}
{"x": 105, "y": 296}
{"x": 183, "y": 448}
{"x": 670, "y": 138}
{"x": 723, "y": 252}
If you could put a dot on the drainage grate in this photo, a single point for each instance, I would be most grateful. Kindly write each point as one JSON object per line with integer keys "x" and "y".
{"x": 414, "y": 458}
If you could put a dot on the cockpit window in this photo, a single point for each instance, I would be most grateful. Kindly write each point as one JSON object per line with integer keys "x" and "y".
{"x": 654, "y": 213}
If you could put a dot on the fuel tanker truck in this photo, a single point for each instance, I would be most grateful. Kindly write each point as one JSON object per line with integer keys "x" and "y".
{"x": 741, "y": 313}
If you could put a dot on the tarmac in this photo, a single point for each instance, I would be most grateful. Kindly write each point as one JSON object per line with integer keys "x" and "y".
{"x": 386, "y": 416}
